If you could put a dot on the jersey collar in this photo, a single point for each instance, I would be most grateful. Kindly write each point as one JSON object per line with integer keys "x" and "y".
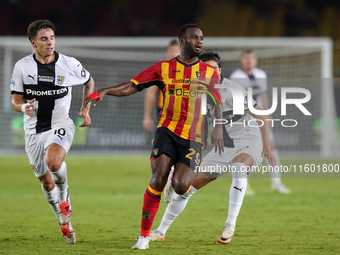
{"x": 53, "y": 62}
{"x": 187, "y": 64}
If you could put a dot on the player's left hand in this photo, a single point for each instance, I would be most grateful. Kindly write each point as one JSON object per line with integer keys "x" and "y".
{"x": 217, "y": 138}
{"x": 267, "y": 152}
{"x": 84, "y": 113}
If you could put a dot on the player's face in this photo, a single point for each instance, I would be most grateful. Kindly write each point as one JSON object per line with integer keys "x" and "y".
{"x": 173, "y": 51}
{"x": 194, "y": 42}
{"x": 44, "y": 42}
{"x": 214, "y": 65}
{"x": 248, "y": 61}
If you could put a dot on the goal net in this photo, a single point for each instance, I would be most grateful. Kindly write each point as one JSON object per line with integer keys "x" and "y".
{"x": 117, "y": 122}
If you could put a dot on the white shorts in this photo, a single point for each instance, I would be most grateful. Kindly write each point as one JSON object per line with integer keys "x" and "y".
{"x": 220, "y": 164}
{"x": 36, "y": 145}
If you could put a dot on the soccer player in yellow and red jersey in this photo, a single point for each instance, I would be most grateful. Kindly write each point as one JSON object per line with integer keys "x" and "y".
{"x": 179, "y": 135}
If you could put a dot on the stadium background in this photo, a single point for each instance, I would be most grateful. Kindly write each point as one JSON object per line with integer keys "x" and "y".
{"x": 117, "y": 182}
{"x": 161, "y": 19}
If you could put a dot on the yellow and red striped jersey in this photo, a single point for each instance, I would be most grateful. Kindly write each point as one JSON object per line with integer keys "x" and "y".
{"x": 160, "y": 99}
{"x": 183, "y": 85}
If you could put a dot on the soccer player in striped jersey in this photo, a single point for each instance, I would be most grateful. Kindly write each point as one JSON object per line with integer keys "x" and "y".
{"x": 41, "y": 88}
{"x": 179, "y": 135}
{"x": 249, "y": 76}
{"x": 245, "y": 147}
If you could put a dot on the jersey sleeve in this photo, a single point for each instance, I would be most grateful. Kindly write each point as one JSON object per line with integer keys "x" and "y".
{"x": 215, "y": 79}
{"x": 149, "y": 77}
{"x": 16, "y": 85}
{"x": 78, "y": 74}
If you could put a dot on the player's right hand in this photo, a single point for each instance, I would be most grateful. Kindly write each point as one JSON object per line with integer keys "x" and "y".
{"x": 29, "y": 107}
{"x": 96, "y": 96}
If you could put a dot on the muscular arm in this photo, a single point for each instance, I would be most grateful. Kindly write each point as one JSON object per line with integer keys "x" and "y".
{"x": 149, "y": 100}
{"x": 18, "y": 103}
{"x": 84, "y": 111}
{"x": 264, "y": 128}
{"x": 121, "y": 90}
{"x": 217, "y": 134}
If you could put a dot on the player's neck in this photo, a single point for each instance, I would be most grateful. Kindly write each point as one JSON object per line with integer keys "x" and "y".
{"x": 248, "y": 72}
{"x": 187, "y": 59}
{"x": 44, "y": 60}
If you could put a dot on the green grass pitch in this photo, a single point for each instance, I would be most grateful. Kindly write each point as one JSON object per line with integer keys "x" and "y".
{"x": 107, "y": 196}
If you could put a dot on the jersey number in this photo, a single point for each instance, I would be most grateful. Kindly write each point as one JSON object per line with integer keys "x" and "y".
{"x": 192, "y": 152}
{"x": 60, "y": 132}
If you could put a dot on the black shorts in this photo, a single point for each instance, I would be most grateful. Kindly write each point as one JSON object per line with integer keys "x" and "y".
{"x": 179, "y": 149}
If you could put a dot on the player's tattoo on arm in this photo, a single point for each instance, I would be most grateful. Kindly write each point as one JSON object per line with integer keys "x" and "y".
{"x": 88, "y": 89}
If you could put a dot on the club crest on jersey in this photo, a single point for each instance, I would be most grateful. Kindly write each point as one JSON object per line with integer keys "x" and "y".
{"x": 198, "y": 74}
{"x": 60, "y": 79}
{"x": 155, "y": 151}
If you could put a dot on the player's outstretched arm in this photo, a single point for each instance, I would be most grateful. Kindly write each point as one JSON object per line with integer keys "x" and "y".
{"x": 84, "y": 111}
{"x": 217, "y": 133}
{"x": 121, "y": 90}
{"x": 265, "y": 134}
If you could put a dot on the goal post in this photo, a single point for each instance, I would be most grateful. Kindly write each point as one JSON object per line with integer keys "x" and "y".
{"x": 117, "y": 122}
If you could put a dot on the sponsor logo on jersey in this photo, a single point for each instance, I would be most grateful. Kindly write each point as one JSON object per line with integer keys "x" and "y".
{"x": 186, "y": 92}
{"x": 60, "y": 79}
{"x": 176, "y": 71}
{"x": 45, "y": 78}
{"x": 51, "y": 92}
{"x": 32, "y": 77}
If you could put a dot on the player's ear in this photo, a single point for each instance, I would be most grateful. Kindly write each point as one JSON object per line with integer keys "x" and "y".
{"x": 181, "y": 41}
{"x": 33, "y": 43}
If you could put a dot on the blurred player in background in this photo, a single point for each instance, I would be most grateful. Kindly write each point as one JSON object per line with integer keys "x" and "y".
{"x": 251, "y": 77}
{"x": 179, "y": 135}
{"x": 41, "y": 89}
{"x": 243, "y": 147}
{"x": 171, "y": 51}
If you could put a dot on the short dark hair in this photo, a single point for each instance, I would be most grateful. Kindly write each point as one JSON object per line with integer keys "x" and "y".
{"x": 173, "y": 42}
{"x": 211, "y": 56}
{"x": 183, "y": 30}
{"x": 35, "y": 26}
{"x": 247, "y": 51}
